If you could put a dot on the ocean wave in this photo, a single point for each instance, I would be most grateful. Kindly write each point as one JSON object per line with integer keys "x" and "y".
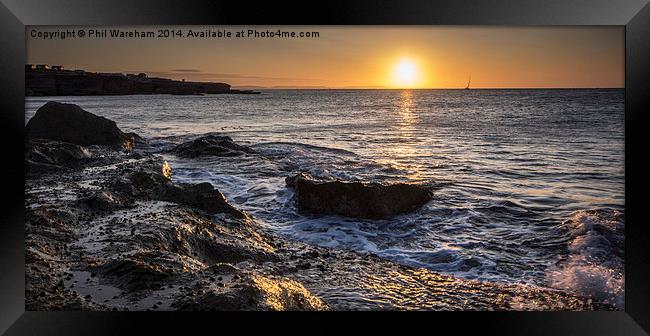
{"x": 285, "y": 147}
{"x": 329, "y": 162}
{"x": 595, "y": 265}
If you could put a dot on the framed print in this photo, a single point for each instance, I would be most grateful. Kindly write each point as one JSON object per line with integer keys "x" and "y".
{"x": 460, "y": 161}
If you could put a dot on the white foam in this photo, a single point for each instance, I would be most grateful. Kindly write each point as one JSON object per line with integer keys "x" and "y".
{"x": 595, "y": 267}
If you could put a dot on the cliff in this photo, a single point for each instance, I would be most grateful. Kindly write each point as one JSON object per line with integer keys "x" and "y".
{"x": 48, "y": 82}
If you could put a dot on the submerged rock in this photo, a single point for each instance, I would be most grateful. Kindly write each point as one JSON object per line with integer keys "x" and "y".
{"x": 210, "y": 145}
{"x": 357, "y": 199}
{"x": 70, "y": 123}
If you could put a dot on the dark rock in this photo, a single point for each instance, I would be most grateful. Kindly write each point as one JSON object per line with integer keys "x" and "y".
{"x": 155, "y": 185}
{"x": 213, "y": 252}
{"x": 70, "y": 123}
{"x": 222, "y": 268}
{"x": 55, "y": 152}
{"x": 357, "y": 199}
{"x": 210, "y": 145}
{"x": 138, "y": 272}
{"x": 107, "y": 201}
{"x": 150, "y": 181}
{"x": 258, "y": 293}
{"x": 202, "y": 196}
{"x": 45, "y": 156}
{"x": 138, "y": 140}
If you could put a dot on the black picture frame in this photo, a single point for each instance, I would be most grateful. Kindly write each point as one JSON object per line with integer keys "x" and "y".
{"x": 634, "y": 15}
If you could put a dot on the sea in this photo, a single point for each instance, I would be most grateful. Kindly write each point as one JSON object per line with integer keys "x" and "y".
{"x": 528, "y": 183}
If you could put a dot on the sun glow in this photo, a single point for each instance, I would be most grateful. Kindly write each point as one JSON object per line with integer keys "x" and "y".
{"x": 405, "y": 74}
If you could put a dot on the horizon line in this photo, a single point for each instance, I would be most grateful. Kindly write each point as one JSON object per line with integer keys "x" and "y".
{"x": 447, "y": 88}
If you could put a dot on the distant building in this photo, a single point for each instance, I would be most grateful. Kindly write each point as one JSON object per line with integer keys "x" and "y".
{"x": 57, "y": 67}
{"x": 42, "y": 67}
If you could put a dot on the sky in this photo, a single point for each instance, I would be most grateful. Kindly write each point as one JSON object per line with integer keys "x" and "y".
{"x": 354, "y": 56}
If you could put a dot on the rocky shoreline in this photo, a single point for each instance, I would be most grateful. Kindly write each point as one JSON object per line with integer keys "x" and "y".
{"x": 108, "y": 228}
{"x": 45, "y": 81}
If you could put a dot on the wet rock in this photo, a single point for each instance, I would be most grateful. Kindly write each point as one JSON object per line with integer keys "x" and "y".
{"x": 70, "y": 123}
{"x": 138, "y": 272}
{"x": 257, "y": 293}
{"x": 210, "y": 145}
{"x": 223, "y": 268}
{"x": 49, "y": 223}
{"x": 107, "y": 201}
{"x": 153, "y": 183}
{"x": 146, "y": 182}
{"x": 213, "y": 252}
{"x": 47, "y": 231}
{"x": 356, "y": 199}
{"x": 202, "y": 196}
{"x": 138, "y": 140}
{"x": 45, "y": 156}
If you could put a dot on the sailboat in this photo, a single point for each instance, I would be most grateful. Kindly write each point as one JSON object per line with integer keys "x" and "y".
{"x": 468, "y": 81}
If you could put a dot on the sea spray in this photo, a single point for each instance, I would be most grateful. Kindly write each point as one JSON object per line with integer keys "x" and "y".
{"x": 595, "y": 265}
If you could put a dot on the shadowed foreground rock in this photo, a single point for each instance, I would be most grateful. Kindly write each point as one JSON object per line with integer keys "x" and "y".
{"x": 152, "y": 183}
{"x": 256, "y": 293}
{"x": 356, "y": 199}
{"x": 43, "y": 155}
{"x": 123, "y": 236}
{"x": 70, "y": 123}
{"x": 210, "y": 145}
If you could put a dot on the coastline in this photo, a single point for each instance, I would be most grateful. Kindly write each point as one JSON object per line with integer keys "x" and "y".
{"x": 41, "y": 80}
{"x": 100, "y": 239}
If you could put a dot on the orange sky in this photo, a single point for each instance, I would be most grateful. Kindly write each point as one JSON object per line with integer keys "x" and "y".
{"x": 359, "y": 57}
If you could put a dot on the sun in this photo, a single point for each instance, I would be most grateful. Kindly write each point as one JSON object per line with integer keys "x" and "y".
{"x": 405, "y": 73}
